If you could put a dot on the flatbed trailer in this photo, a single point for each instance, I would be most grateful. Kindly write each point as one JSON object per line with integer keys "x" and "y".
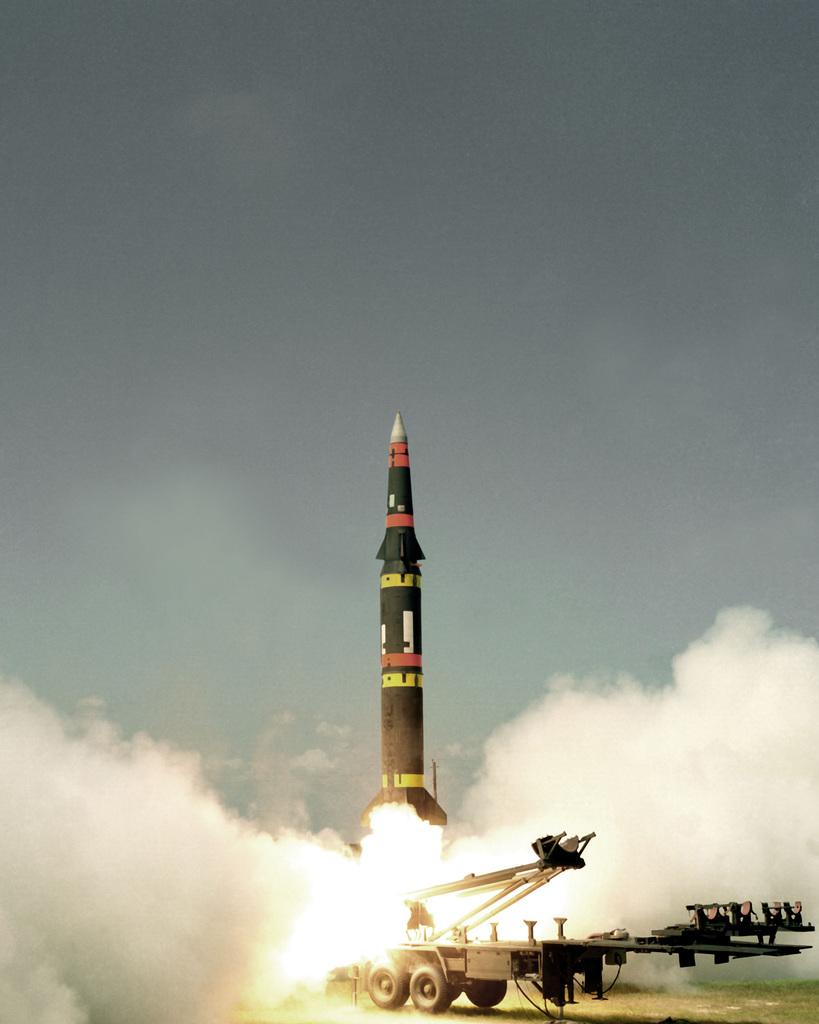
{"x": 439, "y": 965}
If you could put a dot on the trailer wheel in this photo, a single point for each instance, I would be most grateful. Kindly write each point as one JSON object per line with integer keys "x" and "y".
{"x": 429, "y": 989}
{"x": 486, "y": 992}
{"x": 388, "y": 987}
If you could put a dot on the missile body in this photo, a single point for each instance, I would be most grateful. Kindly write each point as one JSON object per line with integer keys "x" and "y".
{"x": 402, "y": 694}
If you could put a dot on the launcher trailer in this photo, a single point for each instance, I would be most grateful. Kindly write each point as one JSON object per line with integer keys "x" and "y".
{"x": 436, "y": 965}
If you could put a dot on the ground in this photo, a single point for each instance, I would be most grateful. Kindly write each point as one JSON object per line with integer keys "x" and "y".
{"x": 769, "y": 1002}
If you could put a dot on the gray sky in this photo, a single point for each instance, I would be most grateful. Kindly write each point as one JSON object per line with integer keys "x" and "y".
{"x": 574, "y": 243}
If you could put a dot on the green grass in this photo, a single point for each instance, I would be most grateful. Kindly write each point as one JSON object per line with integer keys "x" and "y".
{"x": 763, "y": 1002}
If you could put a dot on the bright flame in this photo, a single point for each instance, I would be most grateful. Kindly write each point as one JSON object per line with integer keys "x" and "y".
{"x": 352, "y": 908}
{"x": 402, "y": 853}
{"x": 355, "y": 909}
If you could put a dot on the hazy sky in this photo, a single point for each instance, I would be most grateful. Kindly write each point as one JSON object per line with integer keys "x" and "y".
{"x": 574, "y": 243}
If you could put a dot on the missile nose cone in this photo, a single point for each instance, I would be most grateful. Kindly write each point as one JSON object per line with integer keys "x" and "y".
{"x": 399, "y": 433}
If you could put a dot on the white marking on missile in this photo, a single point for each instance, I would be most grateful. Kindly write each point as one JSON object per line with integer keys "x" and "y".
{"x": 392, "y": 500}
{"x": 409, "y": 637}
{"x": 383, "y": 638}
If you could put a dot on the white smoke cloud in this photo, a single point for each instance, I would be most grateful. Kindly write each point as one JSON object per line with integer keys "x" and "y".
{"x": 705, "y": 790}
{"x": 127, "y": 893}
{"x": 314, "y": 761}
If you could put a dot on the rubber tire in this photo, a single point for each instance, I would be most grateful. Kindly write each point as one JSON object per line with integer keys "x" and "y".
{"x": 429, "y": 990}
{"x": 388, "y": 987}
{"x": 486, "y": 992}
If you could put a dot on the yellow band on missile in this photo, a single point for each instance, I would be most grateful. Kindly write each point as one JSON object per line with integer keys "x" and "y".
{"x": 407, "y": 781}
{"x": 401, "y": 579}
{"x": 403, "y": 781}
{"x": 402, "y": 679}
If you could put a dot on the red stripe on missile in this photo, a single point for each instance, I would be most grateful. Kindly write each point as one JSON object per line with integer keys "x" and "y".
{"x": 399, "y": 658}
{"x": 400, "y": 519}
{"x": 399, "y": 455}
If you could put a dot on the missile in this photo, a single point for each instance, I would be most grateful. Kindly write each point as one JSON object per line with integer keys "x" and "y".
{"x": 402, "y": 694}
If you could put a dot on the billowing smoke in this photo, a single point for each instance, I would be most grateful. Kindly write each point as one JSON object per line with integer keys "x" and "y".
{"x": 127, "y": 893}
{"x": 704, "y": 790}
